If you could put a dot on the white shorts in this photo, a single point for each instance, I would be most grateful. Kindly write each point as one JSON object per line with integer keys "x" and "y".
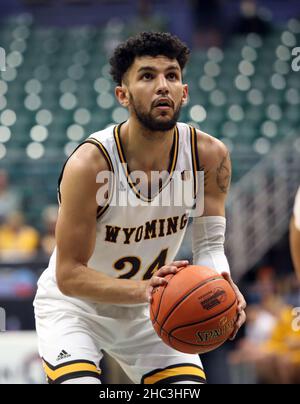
{"x": 71, "y": 341}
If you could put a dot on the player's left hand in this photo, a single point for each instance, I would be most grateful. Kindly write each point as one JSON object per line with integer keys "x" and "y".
{"x": 241, "y": 315}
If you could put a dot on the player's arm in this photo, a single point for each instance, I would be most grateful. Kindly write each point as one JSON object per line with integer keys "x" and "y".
{"x": 295, "y": 245}
{"x": 76, "y": 236}
{"x": 209, "y": 229}
{"x": 295, "y": 235}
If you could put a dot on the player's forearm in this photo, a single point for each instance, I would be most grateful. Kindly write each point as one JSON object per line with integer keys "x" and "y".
{"x": 86, "y": 283}
{"x": 295, "y": 246}
{"x": 208, "y": 242}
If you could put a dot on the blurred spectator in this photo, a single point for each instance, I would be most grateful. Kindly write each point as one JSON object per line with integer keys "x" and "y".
{"x": 264, "y": 286}
{"x": 250, "y": 19}
{"x": 258, "y": 329}
{"x": 260, "y": 324}
{"x": 281, "y": 361}
{"x": 208, "y": 23}
{"x": 10, "y": 200}
{"x": 295, "y": 234}
{"x": 146, "y": 19}
{"x": 112, "y": 34}
{"x": 271, "y": 345}
{"x": 49, "y": 217}
{"x": 289, "y": 289}
{"x": 17, "y": 240}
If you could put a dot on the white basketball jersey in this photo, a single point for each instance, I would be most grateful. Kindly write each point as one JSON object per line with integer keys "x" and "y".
{"x": 134, "y": 240}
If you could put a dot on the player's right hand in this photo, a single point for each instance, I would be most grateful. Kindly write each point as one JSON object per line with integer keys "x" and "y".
{"x": 158, "y": 278}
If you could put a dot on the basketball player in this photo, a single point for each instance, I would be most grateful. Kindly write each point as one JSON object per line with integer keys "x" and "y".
{"x": 95, "y": 293}
{"x": 295, "y": 234}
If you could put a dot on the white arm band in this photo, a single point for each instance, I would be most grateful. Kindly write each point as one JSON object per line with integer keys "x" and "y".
{"x": 297, "y": 210}
{"x": 208, "y": 242}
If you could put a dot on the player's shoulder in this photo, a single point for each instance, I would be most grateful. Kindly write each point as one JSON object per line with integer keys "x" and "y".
{"x": 92, "y": 156}
{"x": 210, "y": 144}
{"x": 104, "y": 136}
{"x": 210, "y": 149}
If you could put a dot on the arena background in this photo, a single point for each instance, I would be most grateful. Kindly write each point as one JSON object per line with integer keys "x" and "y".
{"x": 244, "y": 80}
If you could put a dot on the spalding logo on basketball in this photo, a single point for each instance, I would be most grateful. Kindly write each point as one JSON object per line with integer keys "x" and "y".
{"x": 212, "y": 335}
{"x": 196, "y": 311}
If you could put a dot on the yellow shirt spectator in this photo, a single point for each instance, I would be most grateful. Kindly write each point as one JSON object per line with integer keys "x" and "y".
{"x": 17, "y": 241}
{"x": 285, "y": 340}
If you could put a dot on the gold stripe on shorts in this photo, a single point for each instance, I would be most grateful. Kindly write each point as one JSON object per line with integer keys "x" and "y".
{"x": 175, "y": 373}
{"x": 70, "y": 370}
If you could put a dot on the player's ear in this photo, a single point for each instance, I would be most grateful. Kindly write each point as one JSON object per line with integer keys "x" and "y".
{"x": 185, "y": 94}
{"x": 121, "y": 93}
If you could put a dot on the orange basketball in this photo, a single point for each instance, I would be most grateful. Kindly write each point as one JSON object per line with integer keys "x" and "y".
{"x": 196, "y": 311}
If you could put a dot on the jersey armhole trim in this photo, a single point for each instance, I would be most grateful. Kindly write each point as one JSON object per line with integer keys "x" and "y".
{"x": 195, "y": 158}
{"x": 97, "y": 143}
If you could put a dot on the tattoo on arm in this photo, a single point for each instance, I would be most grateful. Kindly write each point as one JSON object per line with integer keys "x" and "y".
{"x": 224, "y": 174}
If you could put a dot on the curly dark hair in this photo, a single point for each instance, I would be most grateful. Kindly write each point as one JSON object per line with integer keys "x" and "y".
{"x": 147, "y": 44}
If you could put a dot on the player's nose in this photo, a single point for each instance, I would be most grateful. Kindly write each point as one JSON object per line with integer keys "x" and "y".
{"x": 162, "y": 85}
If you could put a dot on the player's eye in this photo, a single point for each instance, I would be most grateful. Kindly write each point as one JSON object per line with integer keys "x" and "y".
{"x": 147, "y": 76}
{"x": 172, "y": 76}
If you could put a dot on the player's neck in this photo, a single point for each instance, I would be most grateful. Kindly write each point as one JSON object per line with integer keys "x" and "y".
{"x": 146, "y": 149}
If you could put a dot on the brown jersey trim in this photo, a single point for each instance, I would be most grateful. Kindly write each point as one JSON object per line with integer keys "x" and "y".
{"x": 99, "y": 145}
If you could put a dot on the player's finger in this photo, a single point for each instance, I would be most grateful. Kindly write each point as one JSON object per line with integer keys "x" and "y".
{"x": 234, "y": 333}
{"x": 165, "y": 270}
{"x": 171, "y": 268}
{"x": 228, "y": 278}
{"x": 180, "y": 264}
{"x": 241, "y": 301}
{"x": 240, "y": 321}
{"x": 149, "y": 294}
{"x": 158, "y": 281}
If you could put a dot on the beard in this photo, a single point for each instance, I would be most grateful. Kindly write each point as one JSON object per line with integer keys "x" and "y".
{"x": 151, "y": 122}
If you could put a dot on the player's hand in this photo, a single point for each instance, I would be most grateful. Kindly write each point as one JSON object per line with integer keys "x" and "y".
{"x": 241, "y": 315}
{"x": 158, "y": 278}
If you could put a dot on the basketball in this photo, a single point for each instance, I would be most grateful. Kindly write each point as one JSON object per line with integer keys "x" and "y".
{"x": 196, "y": 311}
